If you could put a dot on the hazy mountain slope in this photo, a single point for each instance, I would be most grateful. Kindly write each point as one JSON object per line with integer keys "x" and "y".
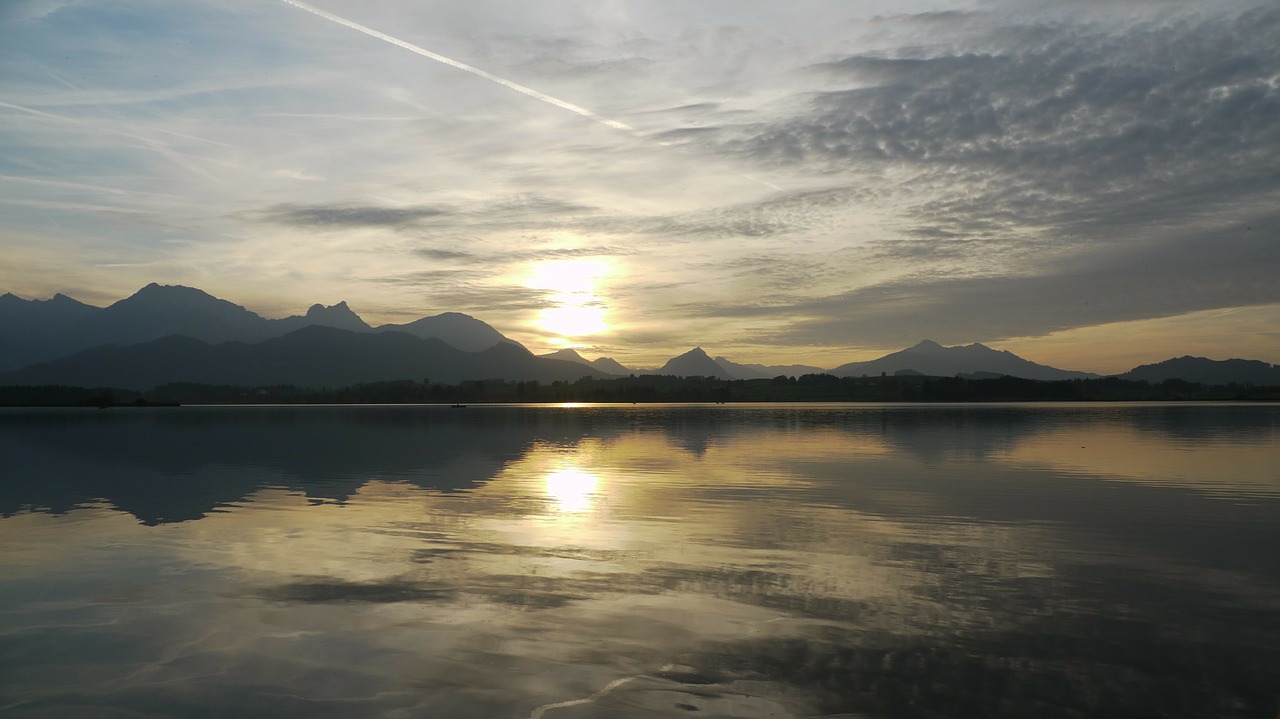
{"x": 339, "y": 316}
{"x": 26, "y": 326}
{"x": 759, "y": 371}
{"x": 1207, "y": 371}
{"x": 462, "y": 331}
{"x": 603, "y": 364}
{"x": 930, "y": 358}
{"x": 568, "y": 354}
{"x": 693, "y": 363}
{"x": 35, "y": 331}
{"x": 611, "y": 366}
{"x": 314, "y": 356}
{"x": 157, "y": 311}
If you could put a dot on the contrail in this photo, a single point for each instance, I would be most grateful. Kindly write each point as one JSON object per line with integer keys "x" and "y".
{"x": 465, "y": 68}
{"x": 157, "y": 147}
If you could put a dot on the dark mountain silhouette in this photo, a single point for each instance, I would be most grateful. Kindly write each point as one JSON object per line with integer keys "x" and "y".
{"x": 28, "y": 325}
{"x": 215, "y": 330}
{"x": 313, "y": 356}
{"x": 339, "y": 315}
{"x": 157, "y": 311}
{"x": 568, "y": 354}
{"x": 759, "y": 371}
{"x": 36, "y": 331}
{"x": 1207, "y": 371}
{"x": 604, "y": 364}
{"x": 611, "y": 366}
{"x": 933, "y": 359}
{"x": 456, "y": 329}
{"x": 693, "y": 363}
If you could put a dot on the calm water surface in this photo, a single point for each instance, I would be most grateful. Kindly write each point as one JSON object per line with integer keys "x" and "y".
{"x": 576, "y": 562}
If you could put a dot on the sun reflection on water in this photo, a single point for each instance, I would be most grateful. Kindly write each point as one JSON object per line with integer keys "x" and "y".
{"x": 572, "y": 489}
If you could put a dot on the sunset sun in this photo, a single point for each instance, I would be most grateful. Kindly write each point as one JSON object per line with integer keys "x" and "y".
{"x": 572, "y": 287}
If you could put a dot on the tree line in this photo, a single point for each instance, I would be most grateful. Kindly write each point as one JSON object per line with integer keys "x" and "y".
{"x": 651, "y": 389}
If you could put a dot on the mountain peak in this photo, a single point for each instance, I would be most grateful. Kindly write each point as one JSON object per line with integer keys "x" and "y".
{"x": 568, "y": 353}
{"x": 932, "y": 359}
{"x": 339, "y": 315}
{"x": 339, "y": 309}
{"x": 695, "y": 362}
{"x": 157, "y": 292}
{"x": 457, "y": 329}
{"x": 926, "y": 345}
{"x": 610, "y": 365}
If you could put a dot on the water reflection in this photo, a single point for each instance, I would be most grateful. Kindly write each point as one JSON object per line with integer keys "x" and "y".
{"x": 572, "y": 489}
{"x": 640, "y": 562}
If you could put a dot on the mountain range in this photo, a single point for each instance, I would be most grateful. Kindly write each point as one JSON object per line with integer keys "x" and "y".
{"x": 165, "y": 334}
{"x": 35, "y": 331}
{"x": 931, "y": 358}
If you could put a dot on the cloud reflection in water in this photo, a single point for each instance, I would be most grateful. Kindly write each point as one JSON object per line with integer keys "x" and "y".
{"x": 791, "y": 563}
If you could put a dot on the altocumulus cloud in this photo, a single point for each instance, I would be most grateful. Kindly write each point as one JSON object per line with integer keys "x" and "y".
{"x": 1049, "y": 175}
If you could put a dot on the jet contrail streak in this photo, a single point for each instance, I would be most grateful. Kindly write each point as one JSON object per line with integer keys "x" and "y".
{"x": 464, "y": 67}
{"x": 159, "y": 148}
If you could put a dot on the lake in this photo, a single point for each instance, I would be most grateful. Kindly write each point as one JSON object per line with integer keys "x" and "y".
{"x": 641, "y": 561}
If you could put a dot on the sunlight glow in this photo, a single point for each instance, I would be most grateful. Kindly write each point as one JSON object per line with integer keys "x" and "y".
{"x": 572, "y": 489}
{"x": 573, "y": 285}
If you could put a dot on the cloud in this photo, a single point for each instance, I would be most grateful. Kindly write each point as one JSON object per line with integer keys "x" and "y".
{"x": 349, "y": 215}
{"x": 438, "y": 254}
{"x": 773, "y": 216}
{"x": 1077, "y": 128}
{"x": 20, "y": 11}
{"x": 520, "y": 256}
{"x": 1159, "y": 279}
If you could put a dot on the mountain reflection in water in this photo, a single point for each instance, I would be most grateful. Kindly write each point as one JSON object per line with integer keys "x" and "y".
{"x": 721, "y": 561}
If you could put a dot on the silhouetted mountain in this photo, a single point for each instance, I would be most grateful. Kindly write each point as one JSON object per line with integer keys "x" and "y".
{"x": 1207, "y": 371}
{"x": 152, "y": 312}
{"x": 603, "y": 364}
{"x": 933, "y": 359}
{"x": 611, "y": 366}
{"x": 26, "y": 326}
{"x": 462, "y": 331}
{"x": 759, "y": 371}
{"x": 157, "y": 311}
{"x": 693, "y": 363}
{"x": 37, "y": 331}
{"x": 314, "y": 356}
{"x": 568, "y": 354}
{"x": 339, "y": 315}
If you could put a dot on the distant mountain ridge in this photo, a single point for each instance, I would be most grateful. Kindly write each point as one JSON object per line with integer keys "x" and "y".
{"x": 312, "y": 357}
{"x": 1206, "y": 371}
{"x": 35, "y": 331}
{"x": 759, "y": 371}
{"x": 930, "y": 358}
{"x": 695, "y": 363}
{"x": 605, "y": 364}
{"x": 27, "y": 326}
{"x": 36, "y": 334}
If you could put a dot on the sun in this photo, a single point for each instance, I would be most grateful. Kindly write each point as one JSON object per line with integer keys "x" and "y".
{"x": 572, "y": 285}
{"x": 573, "y": 320}
{"x": 571, "y": 489}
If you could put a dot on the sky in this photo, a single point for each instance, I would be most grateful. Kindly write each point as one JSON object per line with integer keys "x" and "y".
{"x": 1092, "y": 185}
